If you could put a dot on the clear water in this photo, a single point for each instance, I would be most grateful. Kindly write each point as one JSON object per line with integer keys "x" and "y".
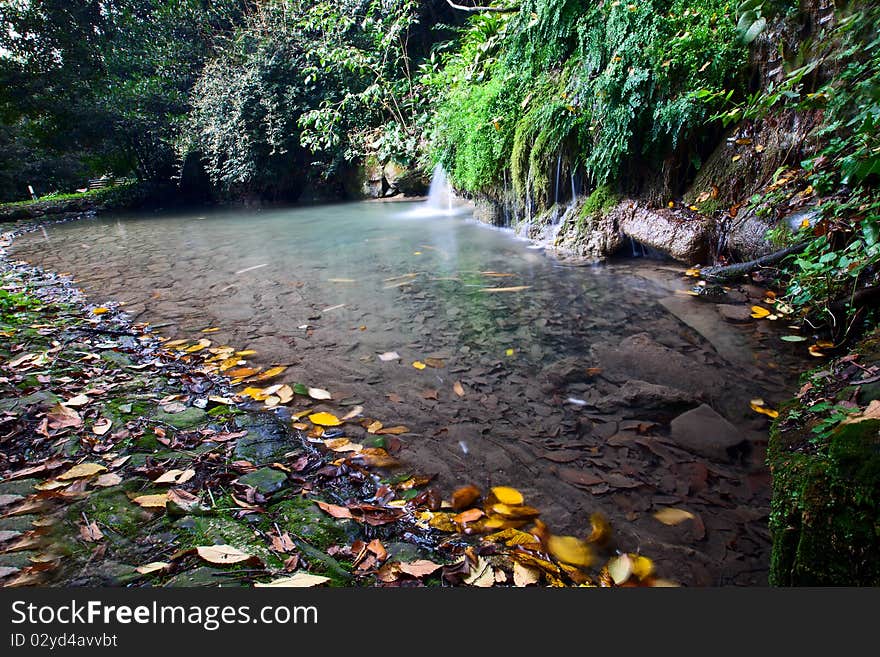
{"x": 326, "y": 289}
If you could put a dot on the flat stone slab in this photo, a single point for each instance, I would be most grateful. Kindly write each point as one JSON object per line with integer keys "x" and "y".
{"x": 705, "y": 432}
{"x": 186, "y": 419}
{"x": 265, "y": 480}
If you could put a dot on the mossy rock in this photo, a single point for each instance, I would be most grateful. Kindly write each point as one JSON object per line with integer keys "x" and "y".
{"x": 221, "y": 530}
{"x": 186, "y": 419}
{"x": 16, "y": 559}
{"x": 303, "y": 517}
{"x": 825, "y": 518}
{"x": 22, "y": 487}
{"x": 41, "y": 399}
{"x": 265, "y": 480}
{"x": 267, "y": 439}
{"x": 201, "y": 576}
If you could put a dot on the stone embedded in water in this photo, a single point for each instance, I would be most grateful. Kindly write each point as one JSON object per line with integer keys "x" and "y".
{"x": 265, "y": 480}
{"x": 635, "y": 397}
{"x": 736, "y": 314}
{"x": 267, "y": 439}
{"x": 186, "y": 419}
{"x": 705, "y": 432}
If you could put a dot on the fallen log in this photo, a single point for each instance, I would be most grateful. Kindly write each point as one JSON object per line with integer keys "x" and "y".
{"x": 740, "y": 269}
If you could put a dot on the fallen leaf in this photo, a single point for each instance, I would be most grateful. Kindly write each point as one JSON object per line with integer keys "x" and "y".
{"x": 758, "y": 312}
{"x": 515, "y": 288}
{"x": 374, "y": 426}
{"x": 325, "y": 419}
{"x": 151, "y": 501}
{"x": 570, "y": 550}
{"x": 91, "y": 532}
{"x": 757, "y": 405}
{"x": 389, "y": 355}
{"x": 299, "y": 580}
{"x": 375, "y": 546}
{"x": 642, "y": 567}
{"x": 419, "y": 365}
{"x": 600, "y": 532}
{"x": 430, "y": 393}
{"x": 61, "y": 417}
{"x": 353, "y": 413}
{"x": 620, "y": 568}
{"x": 271, "y": 373}
{"x": 394, "y": 431}
{"x": 436, "y": 363}
{"x": 153, "y": 567}
{"x": 102, "y": 426}
{"x": 222, "y": 554}
{"x": 671, "y": 516}
{"x": 507, "y": 495}
{"x": 458, "y": 389}
{"x": 525, "y": 576}
{"x": 107, "y": 480}
{"x": 100, "y": 310}
{"x": 77, "y": 401}
{"x": 482, "y": 575}
{"x": 465, "y": 496}
{"x": 470, "y": 515}
{"x": 515, "y": 511}
{"x": 334, "y": 510}
{"x": 420, "y": 567}
{"x": 318, "y": 393}
{"x": 175, "y": 477}
{"x": 82, "y": 470}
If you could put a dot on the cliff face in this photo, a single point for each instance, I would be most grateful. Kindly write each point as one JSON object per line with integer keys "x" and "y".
{"x": 692, "y": 208}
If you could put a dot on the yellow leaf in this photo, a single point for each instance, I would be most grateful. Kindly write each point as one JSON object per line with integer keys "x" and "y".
{"x": 571, "y": 550}
{"x": 758, "y": 312}
{"x": 204, "y": 343}
{"x": 601, "y": 529}
{"x": 229, "y": 363}
{"x": 671, "y": 516}
{"x": 515, "y": 512}
{"x": 299, "y": 580}
{"x": 212, "y": 329}
{"x": 510, "y": 352}
{"x": 419, "y": 365}
{"x": 151, "y": 501}
{"x": 256, "y": 394}
{"x": 271, "y": 373}
{"x": 374, "y": 426}
{"x": 82, "y": 470}
{"x": 507, "y": 495}
{"x": 285, "y": 394}
{"x": 325, "y": 419}
{"x": 245, "y": 352}
{"x": 100, "y": 311}
{"x": 642, "y": 567}
{"x": 515, "y": 288}
{"x": 342, "y": 445}
{"x": 757, "y": 405}
{"x": 458, "y": 389}
{"x": 222, "y": 554}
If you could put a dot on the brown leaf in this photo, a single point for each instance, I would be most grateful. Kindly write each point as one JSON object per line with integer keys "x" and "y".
{"x": 470, "y": 515}
{"x": 395, "y": 431}
{"x": 61, "y": 417}
{"x": 334, "y": 510}
{"x": 222, "y": 554}
{"x": 91, "y": 532}
{"x": 375, "y": 546}
{"x": 579, "y": 478}
{"x": 465, "y": 496}
{"x": 436, "y": 363}
{"x": 430, "y": 393}
{"x": 82, "y": 470}
{"x": 419, "y": 568}
{"x": 394, "y": 397}
{"x": 524, "y": 576}
{"x": 458, "y": 389}
{"x": 283, "y": 543}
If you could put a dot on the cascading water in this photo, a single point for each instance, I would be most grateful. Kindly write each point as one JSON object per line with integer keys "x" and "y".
{"x": 441, "y": 198}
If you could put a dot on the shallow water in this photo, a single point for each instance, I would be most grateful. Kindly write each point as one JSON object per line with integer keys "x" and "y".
{"x": 326, "y": 289}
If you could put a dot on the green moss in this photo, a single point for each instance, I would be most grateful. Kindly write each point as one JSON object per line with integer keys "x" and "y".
{"x": 600, "y": 202}
{"x": 302, "y": 517}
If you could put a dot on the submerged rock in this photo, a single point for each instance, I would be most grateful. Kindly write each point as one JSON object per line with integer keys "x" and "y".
{"x": 635, "y": 397}
{"x": 705, "y": 432}
{"x": 265, "y": 480}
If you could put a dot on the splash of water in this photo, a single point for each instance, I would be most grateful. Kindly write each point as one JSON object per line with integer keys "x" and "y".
{"x": 441, "y": 198}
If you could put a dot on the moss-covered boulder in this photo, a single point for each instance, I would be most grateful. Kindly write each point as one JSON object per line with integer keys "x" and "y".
{"x": 825, "y": 512}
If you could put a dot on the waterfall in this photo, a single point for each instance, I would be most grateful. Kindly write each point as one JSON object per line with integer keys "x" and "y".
{"x": 573, "y": 193}
{"x": 440, "y": 193}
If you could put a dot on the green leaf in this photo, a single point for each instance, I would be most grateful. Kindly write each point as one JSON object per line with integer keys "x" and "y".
{"x": 300, "y": 389}
{"x": 793, "y": 338}
{"x": 756, "y": 28}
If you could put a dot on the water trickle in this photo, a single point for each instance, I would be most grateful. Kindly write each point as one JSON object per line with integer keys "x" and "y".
{"x": 439, "y": 193}
{"x": 558, "y": 168}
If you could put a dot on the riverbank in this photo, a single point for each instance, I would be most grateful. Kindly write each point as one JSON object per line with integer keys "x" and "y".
{"x": 129, "y": 459}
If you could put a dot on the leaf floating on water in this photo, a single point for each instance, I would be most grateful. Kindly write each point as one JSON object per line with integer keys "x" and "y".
{"x": 81, "y": 471}
{"x": 757, "y": 405}
{"x": 600, "y": 533}
{"x": 419, "y": 365}
{"x": 671, "y": 516}
{"x": 389, "y": 355}
{"x": 436, "y": 363}
{"x": 299, "y": 580}
{"x": 319, "y": 393}
{"x": 325, "y": 419}
{"x": 100, "y": 310}
{"x": 271, "y": 373}
{"x": 758, "y": 312}
{"x": 570, "y": 550}
{"x": 465, "y": 496}
{"x": 515, "y": 288}
{"x": 394, "y": 431}
{"x": 793, "y": 338}
{"x": 458, "y": 389}
{"x": 507, "y": 495}
{"x": 222, "y": 554}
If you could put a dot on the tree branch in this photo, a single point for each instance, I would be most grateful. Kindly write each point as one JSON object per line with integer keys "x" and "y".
{"x": 731, "y": 272}
{"x": 500, "y": 10}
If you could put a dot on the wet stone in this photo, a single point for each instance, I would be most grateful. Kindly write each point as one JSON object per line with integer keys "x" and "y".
{"x": 16, "y": 559}
{"x": 201, "y": 576}
{"x": 18, "y": 487}
{"x": 186, "y": 419}
{"x": 265, "y": 480}
{"x": 18, "y": 523}
{"x": 267, "y": 439}
{"x": 734, "y": 313}
{"x": 705, "y": 432}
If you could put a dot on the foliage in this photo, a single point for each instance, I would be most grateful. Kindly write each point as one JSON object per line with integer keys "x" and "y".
{"x": 12, "y": 303}
{"x": 607, "y": 85}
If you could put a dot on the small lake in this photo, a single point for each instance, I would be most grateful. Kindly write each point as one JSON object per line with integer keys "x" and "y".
{"x": 570, "y": 375}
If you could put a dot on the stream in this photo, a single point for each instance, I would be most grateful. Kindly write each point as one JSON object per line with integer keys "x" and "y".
{"x": 570, "y": 379}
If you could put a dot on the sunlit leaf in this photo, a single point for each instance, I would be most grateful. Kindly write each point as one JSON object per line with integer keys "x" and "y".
{"x": 515, "y": 512}
{"x": 642, "y": 567}
{"x": 758, "y": 312}
{"x": 100, "y": 310}
{"x": 620, "y": 568}
{"x": 419, "y": 568}
{"x": 271, "y": 373}
{"x": 325, "y": 419}
{"x": 507, "y": 495}
{"x": 601, "y": 529}
{"x": 151, "y": 501}
{"x": 571, "y": 550}
{"x": 318, "y": 393}
{"x": 524, "y": 575}
{"x": 153, "y": 567}
{"x": 419, "y": 365}
{"x": 757, "y": 405}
